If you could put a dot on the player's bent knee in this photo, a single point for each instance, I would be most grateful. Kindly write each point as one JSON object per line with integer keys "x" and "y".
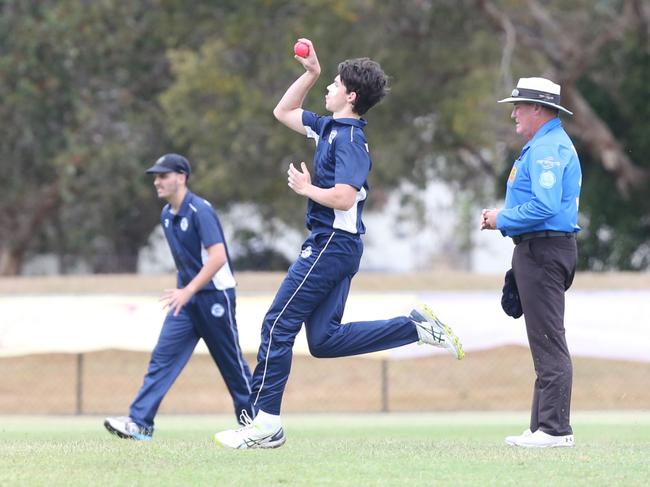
{"x": 320, "y": 351}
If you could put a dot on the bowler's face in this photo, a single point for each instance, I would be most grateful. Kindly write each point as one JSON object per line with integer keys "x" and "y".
{"x": 336, "y": 97}
{"x": 523, "y": 115}
{"x": 166, "y": 184}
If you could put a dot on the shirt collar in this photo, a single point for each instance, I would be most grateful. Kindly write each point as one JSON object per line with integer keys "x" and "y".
{"x": 182, "y": 211}
{"x": 545, "y": 129}
{"x": 355, "y": 122}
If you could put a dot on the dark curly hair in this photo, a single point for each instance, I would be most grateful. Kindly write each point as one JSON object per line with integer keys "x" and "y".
{"x": 366, "y": 78}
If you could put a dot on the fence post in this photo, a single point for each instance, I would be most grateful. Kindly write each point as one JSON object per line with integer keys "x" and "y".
{"x": 79, "y": 398}
{"x": 384, "y": 385}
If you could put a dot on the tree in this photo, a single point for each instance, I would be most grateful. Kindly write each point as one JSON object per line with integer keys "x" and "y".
{"x": 582, "y": 47}
{"x": 36, "y": 105}
{"x": 93, "y": 92}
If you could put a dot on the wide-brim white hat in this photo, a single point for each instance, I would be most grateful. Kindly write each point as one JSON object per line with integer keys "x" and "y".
{"x": 537, "y": 90}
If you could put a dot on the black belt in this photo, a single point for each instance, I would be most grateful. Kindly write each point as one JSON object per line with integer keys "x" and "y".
{"x": 542, "y": 234}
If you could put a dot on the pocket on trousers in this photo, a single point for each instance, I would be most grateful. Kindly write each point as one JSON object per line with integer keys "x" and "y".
{"x": 538, "y": 251}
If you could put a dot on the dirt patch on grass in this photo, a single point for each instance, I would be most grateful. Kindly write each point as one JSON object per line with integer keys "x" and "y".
{"x": 497, "y": 379}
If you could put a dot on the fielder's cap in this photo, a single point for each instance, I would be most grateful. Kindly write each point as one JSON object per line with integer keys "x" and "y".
{"x": 510, "y": 301}
{"x": 171, "y": 163}
{"x": 537, "y": 90}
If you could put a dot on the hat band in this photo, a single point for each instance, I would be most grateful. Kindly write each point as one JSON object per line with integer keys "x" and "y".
{"x": 542, "y": 96}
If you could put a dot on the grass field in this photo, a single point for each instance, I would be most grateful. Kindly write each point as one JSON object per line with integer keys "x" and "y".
{"x": 612, "y": 449}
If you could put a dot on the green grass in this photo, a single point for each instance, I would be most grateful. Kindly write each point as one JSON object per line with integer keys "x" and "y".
{"x": 612, "y": 449}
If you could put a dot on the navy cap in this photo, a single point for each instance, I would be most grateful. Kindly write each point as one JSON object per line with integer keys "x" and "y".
{"x": 171, "y": 163}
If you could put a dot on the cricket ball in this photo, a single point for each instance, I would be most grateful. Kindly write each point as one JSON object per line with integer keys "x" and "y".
{"x": 301, "y": 49}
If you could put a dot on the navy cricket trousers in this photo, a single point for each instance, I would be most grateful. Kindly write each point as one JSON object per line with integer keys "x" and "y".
{"x": 209, "y": 315}
{"x": 314, "y": 292}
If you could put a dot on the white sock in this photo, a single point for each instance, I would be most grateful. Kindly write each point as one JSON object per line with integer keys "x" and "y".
{"x": 267, "y": 421}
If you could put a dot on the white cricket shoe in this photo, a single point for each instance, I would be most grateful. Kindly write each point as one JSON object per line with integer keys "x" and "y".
{"x": 434, "y": 332}
{"x": 511, "y": 440}
{"x": 251, "y": 435}
{"x": 125, "y": 427}
{"x": 539, "y": 439}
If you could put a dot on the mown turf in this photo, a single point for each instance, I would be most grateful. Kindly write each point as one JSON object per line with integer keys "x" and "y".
{"x": 355, "y": 450}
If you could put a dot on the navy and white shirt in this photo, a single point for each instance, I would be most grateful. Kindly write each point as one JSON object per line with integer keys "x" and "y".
{"x": 189, "y": 233}
{"x": 543, "y": 191}
{"x": 342, "y": 157}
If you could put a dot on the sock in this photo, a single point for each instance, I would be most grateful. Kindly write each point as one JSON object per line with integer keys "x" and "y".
{"x": 267, "y": 421}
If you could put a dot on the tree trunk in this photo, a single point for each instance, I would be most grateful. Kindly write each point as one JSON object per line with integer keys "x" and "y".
{"x": 10, "y": 261}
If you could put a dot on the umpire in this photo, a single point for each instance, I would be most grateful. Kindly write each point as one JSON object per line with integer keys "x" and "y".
{"x": 541, "y": 217}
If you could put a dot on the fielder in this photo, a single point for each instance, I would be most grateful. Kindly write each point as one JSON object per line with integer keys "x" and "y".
{"x": 202, "y": 305}
{"x": 316, "y": 287}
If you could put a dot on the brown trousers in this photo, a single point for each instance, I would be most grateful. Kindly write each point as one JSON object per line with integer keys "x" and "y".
{"x": 544, "y": 269}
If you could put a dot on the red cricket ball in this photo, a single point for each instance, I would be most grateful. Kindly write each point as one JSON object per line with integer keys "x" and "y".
{"x": 301, "y": 49}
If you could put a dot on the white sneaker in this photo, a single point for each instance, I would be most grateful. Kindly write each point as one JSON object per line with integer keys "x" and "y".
{"x": 511, "y": 440}
{"x": 125, "y": 427}
{"x": 539, "y": 439}
{"x": 251, "y": 435}
{"x": 434, "y": 332}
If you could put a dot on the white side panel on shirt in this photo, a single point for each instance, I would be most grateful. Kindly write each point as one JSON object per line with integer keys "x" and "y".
{"x": 224, "y": 278}
{"x": 347, "y": 220}
{"x": 311, "y": 134}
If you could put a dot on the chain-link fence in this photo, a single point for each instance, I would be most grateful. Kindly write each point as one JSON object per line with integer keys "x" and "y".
{"x": 91, "y": 312}
{"x": 105, "y": 382}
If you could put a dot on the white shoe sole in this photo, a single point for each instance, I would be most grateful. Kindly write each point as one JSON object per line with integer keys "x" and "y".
{"x": 256, "y": 446}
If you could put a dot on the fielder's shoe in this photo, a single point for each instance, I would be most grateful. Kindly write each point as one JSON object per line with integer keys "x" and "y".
{"x": 539, "y": 439}
{"x": 434, "y": 332}
{"x": 251, "y": 435}
{"x": 125, "y": 427}
{"x": 511, "y": 440}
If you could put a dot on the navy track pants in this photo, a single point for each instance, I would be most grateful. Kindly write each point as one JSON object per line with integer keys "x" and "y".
{"x": 314, "y": 292}
{"x": 209, "y": 315}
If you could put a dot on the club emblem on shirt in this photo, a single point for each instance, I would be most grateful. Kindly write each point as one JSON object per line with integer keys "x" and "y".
{"x": 547, "y": 180}
{"x": 184, "y": 224}
{"x": 306, "y": 252}
{"x": 331, "y": 137}
{"x": 217, "y": 310}
{"x": 513, "y": 174}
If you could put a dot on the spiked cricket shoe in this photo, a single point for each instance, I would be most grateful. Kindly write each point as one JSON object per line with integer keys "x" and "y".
{"x": 434, "y": 332}
{"x": 125, "y": 427}
{"x": 251, "y": 435}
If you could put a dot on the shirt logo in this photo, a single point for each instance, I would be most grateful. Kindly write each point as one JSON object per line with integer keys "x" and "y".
{"x": 184, "y": 224}
{"x": 513, "y": 174}
{"x": 217, "y": 310}
{"x": 306, "y": 252}
{"x": 547, "y": 180}
{"x": 166, "y": 222}
{"x": 331, "y": 137}
{"x": 548, "y": 163}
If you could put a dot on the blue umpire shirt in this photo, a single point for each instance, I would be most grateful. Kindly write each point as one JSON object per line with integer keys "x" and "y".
{"x": 189, "y": 234}
{"x": 543, "y": 189}
{"x": 342, "y": 157}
